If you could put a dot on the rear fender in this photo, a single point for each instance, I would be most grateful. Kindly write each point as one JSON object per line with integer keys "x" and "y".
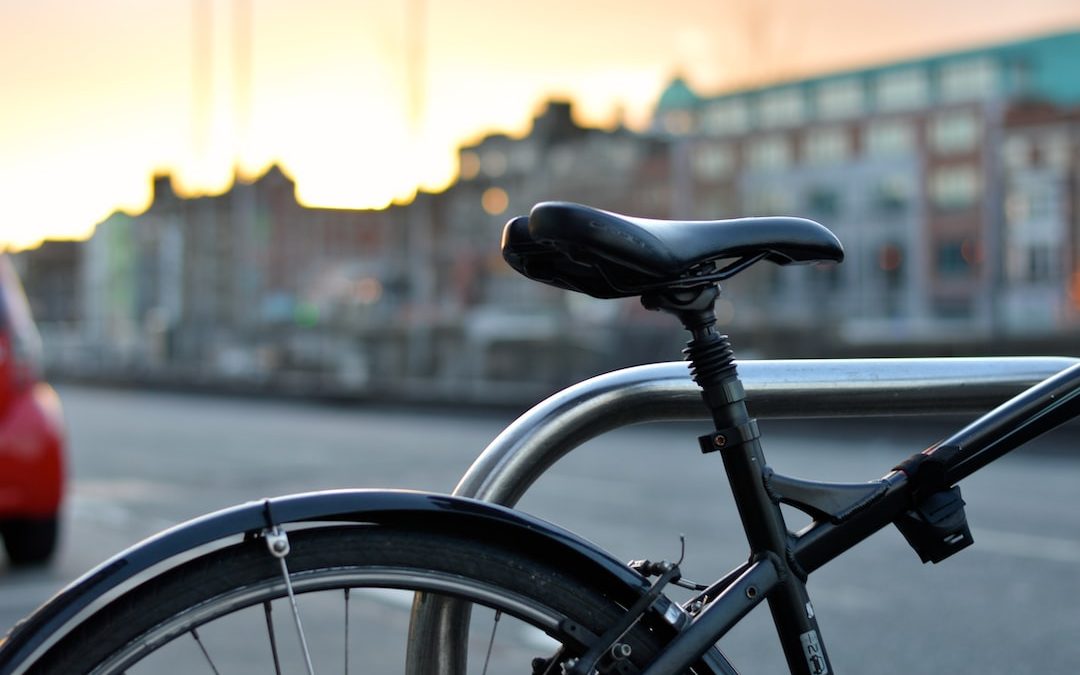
{"x": 388, "y": 507}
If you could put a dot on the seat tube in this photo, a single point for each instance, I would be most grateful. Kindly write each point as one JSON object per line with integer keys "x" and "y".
{"x": 736, "y": 440}
{"x": 767, "y": 535}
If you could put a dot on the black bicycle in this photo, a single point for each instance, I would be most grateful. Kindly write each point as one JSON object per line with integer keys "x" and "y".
{"x": 373, "y": 580}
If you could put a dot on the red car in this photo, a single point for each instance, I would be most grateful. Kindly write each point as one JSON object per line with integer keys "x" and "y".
{"x": 31, "y": 433}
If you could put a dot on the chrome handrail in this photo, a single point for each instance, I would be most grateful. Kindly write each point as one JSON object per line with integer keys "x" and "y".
{"x": 779, "y": 389}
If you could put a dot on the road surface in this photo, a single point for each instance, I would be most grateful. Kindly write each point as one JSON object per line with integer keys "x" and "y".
{"x": 142, "y": 461}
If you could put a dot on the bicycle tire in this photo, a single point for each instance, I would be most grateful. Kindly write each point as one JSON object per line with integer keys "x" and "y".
{"x": 163, "y": 616}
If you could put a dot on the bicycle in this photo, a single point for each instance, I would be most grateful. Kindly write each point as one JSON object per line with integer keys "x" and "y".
{"x": 237, "y": 569}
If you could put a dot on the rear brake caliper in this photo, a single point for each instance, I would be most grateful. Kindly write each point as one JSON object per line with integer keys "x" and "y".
{"x": 608, "y": 653}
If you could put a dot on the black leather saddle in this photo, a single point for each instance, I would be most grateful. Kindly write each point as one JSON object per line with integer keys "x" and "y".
{"x": 607, "y": 255}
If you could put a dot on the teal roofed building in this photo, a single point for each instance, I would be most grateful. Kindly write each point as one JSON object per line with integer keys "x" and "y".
{"x": 1045, "y": 69}
{"x": 674, "y": 110}
{"x": 918, "y": 166}
{"x": 677, "y": 95}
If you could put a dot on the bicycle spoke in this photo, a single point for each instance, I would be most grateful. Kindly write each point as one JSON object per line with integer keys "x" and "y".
{"x": 267, "y": 609}
{"x": 347, "y": 631}
{"x": 491, "y": 642}
{"x": 209, "y": 661}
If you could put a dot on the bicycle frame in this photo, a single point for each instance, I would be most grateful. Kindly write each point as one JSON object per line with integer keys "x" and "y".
{"x": 786, "y": 389}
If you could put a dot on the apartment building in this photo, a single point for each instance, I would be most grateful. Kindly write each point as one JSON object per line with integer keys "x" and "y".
{"x": 903, "y": 161}
{"x": 1040, "y": 280}
{"x": 232, "y": 282}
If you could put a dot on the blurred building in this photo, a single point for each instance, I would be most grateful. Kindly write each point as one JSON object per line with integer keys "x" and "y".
{"x": 243, "y": 285}
{"x": 51, "y": 277}
{"x": 953, "y": 181}
{"x": 498, "y": 329}
{"x": 52, "y": 270}
{"x": 904, "y": 162}
{"x": 1040, "y": 160}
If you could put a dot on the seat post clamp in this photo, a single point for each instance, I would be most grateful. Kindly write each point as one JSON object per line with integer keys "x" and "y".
{"x": 729, "y": 391}
{"x": 731, "y": 437}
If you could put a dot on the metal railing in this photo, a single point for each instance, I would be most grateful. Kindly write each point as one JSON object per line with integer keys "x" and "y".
{"x": 791, "y": 389}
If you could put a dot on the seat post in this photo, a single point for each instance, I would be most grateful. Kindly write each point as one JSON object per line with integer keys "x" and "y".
{"x": 712, "y": 366}
{"x": 736, "y": 438}
{"x": 711, "y": 359}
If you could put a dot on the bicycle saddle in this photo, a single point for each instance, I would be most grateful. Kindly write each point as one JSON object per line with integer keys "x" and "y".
{"x": 608, "y": 255}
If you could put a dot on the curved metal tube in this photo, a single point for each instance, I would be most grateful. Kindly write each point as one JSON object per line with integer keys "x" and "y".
{"x": 791, "y": 389}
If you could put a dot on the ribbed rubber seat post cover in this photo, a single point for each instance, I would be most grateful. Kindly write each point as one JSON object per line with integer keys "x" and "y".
{"x": 708, "y": 352}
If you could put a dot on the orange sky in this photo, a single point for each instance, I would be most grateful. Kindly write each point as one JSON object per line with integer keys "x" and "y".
{"x": 98, "y": 95}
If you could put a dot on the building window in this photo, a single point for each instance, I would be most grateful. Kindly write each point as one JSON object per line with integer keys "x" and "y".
{"x": 493, "y": 163}
{"x": 1055, "y": 150}
{"x": 713, "y": 205}
{"x": 678, "y": 122}
{"x": 768, "y": 201}
{"x": 890, "y": 261}
{"x": 714, "y": 160}
{"x": 1034, "y": 203}
{"x": 823, "y": 202}
{"x": 968, "y": 79}
{"x": 726, "y": 117}
{"x": 954, "y": 187}
{"x": 770, "y": 152}
{"x": 826, "y": 146}
{"x": 954, "y": 132}
{"x": 622, "y": 156}
{"x": 954, "y": 258}
{"x": 1031, "y": 264}
{"x": 562, "y": 161}
{"x": 1041, "y": 265}
{"x": 839, "y": 99}
{"x": 781, "y": 108}
{"x": 1017, "y": 152}
{"x": 524, "y": 157}
{"x": 902, "y": 89}
{"x": 893, "y": 194}
{"x": 887, "y": 138}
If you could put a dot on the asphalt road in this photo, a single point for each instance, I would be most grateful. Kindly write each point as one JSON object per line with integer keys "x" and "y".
{"x": 142, "y": 461}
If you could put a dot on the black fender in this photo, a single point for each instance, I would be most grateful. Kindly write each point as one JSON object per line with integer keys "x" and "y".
{"x": 389, "y": 507}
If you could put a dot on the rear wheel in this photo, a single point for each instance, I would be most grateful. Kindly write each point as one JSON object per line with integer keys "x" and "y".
{"x": 30, "y": 541}
{"x": 229, "y": 611}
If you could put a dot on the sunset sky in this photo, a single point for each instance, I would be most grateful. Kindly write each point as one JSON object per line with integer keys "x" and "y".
{"x": 96, "y": 96}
